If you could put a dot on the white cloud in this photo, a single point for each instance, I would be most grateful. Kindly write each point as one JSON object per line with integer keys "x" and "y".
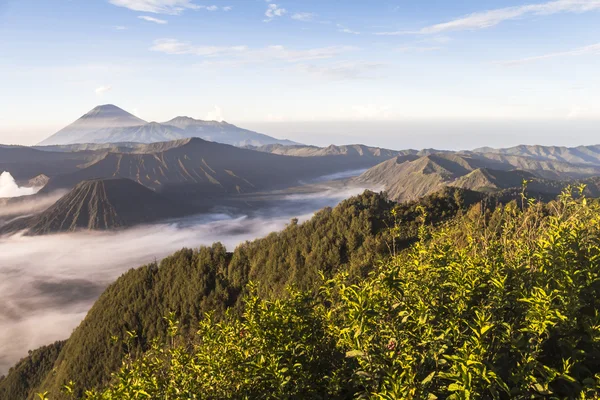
{"x": 152, "y": 19}
{"x": 273, "y": 10}
{"x": 9, "y": 187}
{"x": 173, "y": 46}
{"x": 417, "y": 49}
{"x": 244, "y": 54}
{"x": 120, "y": 28}
{"x": 342, "y": 70}
{"x": 490, "y": 18}
{"x": 593, "y": 49}
{"x": 103, "y": 89}
{"x": 304, "y": 16}
{"x": 210, "y": 8}
{"x": 343, "y": 29}
{"x": 215, "y": 115}
{"x": 227, "y": 8}
{"x": 172, "y": 7}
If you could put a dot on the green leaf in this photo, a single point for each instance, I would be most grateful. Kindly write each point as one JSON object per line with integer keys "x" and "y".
{"x": 354, "y": 353}
{"x": 428, "y": 378}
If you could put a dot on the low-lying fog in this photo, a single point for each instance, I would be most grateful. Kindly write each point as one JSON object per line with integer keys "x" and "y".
{"x": 48, "y": 283}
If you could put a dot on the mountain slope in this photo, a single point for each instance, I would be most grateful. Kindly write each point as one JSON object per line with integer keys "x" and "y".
{"x": 100, "y": 205}
{"x": 147, "y": 133}
{"x": 411, "y": 177}
{"x": 104, "y": 117}
{"x": 485, "y": 179}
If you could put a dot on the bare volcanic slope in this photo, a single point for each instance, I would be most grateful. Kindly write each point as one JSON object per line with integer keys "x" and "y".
{"x": 198, "y": 167}
{"x": 100, "y": 205}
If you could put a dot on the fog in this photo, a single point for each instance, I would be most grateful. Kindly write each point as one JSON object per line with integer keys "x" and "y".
{"x": 9, "y": 187}
{"x": 48, "y": 283}
{"x": 28, "y": 204}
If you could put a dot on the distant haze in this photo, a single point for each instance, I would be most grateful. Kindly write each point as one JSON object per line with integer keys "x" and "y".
{"x": 439, "y": 134}
{"x": 418, "y": 134}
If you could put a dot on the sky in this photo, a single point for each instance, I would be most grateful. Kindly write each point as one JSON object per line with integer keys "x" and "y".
{"x": 392, "y": 73}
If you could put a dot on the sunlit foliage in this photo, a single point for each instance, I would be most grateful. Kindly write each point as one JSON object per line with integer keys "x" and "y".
{"x": 493, "y": 304}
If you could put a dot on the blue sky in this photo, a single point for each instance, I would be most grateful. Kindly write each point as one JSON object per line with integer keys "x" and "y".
{"x": 314, "y": 71}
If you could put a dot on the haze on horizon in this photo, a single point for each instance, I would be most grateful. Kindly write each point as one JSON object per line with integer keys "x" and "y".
{"x": 387, "y": 73}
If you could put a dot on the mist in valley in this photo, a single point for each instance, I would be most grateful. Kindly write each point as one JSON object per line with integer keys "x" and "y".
{"x": 48, "y": 283}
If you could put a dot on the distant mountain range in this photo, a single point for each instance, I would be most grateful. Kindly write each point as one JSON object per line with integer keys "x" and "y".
{"x": 352, "y": 150}
{"x": 111, "y": 124}
{"x": 575, "y": 155}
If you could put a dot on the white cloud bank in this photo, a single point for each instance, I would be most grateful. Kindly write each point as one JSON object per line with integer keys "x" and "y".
{"x": 9, "y": 187}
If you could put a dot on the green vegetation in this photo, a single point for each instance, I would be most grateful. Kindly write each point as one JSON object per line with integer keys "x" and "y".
{"x": 454, "y": 296}
{"x": 29, "y": 372}
{"x": 501, "y": 304}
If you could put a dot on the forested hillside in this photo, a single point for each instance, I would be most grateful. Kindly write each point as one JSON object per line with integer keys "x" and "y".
{"x": 454, "y": 296}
